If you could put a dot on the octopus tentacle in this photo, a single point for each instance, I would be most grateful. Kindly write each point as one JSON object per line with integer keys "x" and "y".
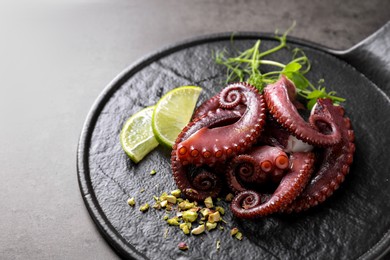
{"x": 290, "y": 186}
{"x": 278, "y": 97}
{"x": 212, "y": 143}
{"x": 256, "y": 167}
{"x": 213, "y": 104}
{"x": 204, "y": 184}
{"x": 335, "y": 162}
{"x": 244, "y": 168}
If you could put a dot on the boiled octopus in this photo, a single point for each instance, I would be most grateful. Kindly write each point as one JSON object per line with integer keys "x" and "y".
{"x": 262, "y": 149}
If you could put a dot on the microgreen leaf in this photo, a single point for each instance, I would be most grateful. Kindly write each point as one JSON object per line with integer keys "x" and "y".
{"x": 292, "y": 67}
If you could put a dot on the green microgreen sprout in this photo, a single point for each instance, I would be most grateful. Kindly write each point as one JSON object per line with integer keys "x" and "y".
{"x": 246, "y": 66}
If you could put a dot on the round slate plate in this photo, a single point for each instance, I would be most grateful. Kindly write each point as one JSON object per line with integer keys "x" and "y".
{"x": 353, "y": 223}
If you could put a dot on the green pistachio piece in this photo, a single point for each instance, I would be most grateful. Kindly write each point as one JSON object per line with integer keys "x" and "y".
{"x": 209, "y": 202}
{"x": 210, "y": 226}
{"x": 171, "y": 199}
{"x": 233, "y": 231}
{"x": 214, "y": 217}
{"x": 164, "y": 203}
{"x": 185, "y": 205}
{"x": 220, "y": 210}
{"x": 200, "y": 229}
{"x": 144, "y": 207}
{"x": 163, "y": 196}
{"x": 229, "y": 197}
{"x": 152, "y": 172}
{"x": 173, "y": 222}
{"x": 176, "y": 193}
{"x": 131, "y": 202}
{"x": 238, "y": 235}
{"x": 185, "y": 228}
{"x": 190, "y": 216}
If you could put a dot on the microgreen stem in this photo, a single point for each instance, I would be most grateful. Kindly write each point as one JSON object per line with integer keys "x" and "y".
{"x": 245, "y": 67}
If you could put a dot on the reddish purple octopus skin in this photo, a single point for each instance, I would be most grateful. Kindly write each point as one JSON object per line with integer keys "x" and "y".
{"x": 279, "y": 98}
{"x": 249, "y": 204}
{"x": 257, "y": 166}
{"x": 335, "y": 163}
{"x": 210, "y": 145}
{"x": 216, "y": 136}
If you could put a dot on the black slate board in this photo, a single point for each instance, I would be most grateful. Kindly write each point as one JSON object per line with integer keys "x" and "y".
{"x": 353, "y": 223}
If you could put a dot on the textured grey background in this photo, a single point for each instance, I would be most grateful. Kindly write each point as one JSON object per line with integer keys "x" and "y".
{"x": 55, "y": 58}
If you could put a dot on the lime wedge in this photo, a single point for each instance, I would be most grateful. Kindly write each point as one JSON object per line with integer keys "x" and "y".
{"x": 137, "y": 136}
{"x": 173, "y": 112}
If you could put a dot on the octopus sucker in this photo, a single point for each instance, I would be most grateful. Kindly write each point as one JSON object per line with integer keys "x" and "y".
{"x": 290, "y": 186}
{"x": 279, "y": 99}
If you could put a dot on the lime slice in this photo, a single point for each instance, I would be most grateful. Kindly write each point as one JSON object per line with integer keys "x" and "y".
{"x": 137, "y": 136}
{"x": 173, "y": 112}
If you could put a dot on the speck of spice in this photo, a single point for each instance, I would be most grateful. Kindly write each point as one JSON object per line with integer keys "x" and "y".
{"x": 182, "y": 246}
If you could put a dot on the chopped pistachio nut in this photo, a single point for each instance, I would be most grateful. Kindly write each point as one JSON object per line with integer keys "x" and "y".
{"x": 155, "y": 198}
{"x": 205, "y": 212}
{"x": 233, "y": 231}
{"x": 214, "y": 217}
{"x": 156, "y": 206}
{"x": 173, "y": 221}
{"x": 218, "y": 244}
{"x": 166, "y": 217}
{"x": 180, "y": 200}
{"x": 238, "y": 235}
{"x": 221, "y": 227}
{"x": 185, "y": 205}
{"x": 182, "y": 246}
{"x": 220, "y": 210}
{"x": 164, "y": 203}
{"x": 201, "y": 222}
{"x": 229, "y": 197}
{"x": 171, "y": 199}
{"x": 142, "y": 190}
{"x": 185, "y": 228}
{"x": 144, "y": 207}
{"x": 152, "y": 172}
{"x": 209, "y": 202}
{"x": 198, "y": 230}
{"x": 190, "y": 216}
{"x": 163, "y": 196}
{"x": 131, "y": 202}
{"x": 176, "y": 193}
{"x": 211, "y": 226}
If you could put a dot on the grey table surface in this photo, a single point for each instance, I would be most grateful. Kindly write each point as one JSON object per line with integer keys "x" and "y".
{"x": 55, "y": 59}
